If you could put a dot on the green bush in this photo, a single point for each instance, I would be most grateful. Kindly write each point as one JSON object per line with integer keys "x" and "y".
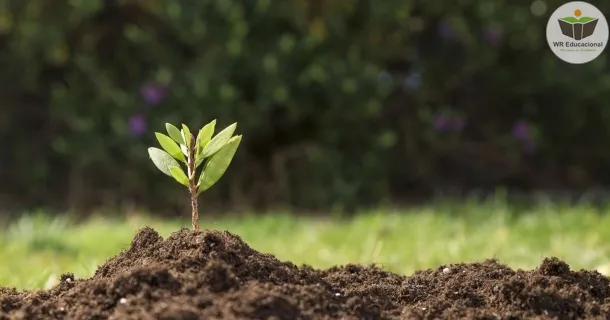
{"x": 342, "y": 102}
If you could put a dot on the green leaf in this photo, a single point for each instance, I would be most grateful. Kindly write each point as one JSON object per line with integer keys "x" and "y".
{"x": 174, "y": 133}
{"x": 218, "y": 141}
{"x": 203, "y": 138}
{"x": 217, "y": 165}
{"x": 205, "y": 135}
{"x": 162, "y": 160}
{"x": 179, "y": 175}
{"x": 170, "y": 146}
{"x": 186, "y": 134}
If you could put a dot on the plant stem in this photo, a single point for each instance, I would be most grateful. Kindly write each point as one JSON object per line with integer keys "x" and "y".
{"x": 193, "y": 184}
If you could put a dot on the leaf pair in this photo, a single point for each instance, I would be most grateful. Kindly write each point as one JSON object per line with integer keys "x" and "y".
{"x": 210, "y": 147}
{"x": 219, "y": 151}
{"x": 218, "y": 164}
{"x": 181, "y": 137}
{"x": 174, "y": 148}
{"x": 176, "y": 144}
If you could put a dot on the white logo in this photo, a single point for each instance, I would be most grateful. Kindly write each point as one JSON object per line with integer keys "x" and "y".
{"x": 577, "y": 32}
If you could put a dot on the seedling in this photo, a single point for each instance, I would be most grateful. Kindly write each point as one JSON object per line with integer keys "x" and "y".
{"x": 180, "y": 146}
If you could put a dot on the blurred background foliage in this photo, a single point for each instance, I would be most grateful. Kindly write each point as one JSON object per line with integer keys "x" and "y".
{"x": 341, "y": 103}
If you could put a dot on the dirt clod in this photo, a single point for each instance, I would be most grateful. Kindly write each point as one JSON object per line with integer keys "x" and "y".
{"x": 216, "y": 275}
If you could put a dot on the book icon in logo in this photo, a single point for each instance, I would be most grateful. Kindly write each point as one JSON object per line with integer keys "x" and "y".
{"x": 577, "y": 27}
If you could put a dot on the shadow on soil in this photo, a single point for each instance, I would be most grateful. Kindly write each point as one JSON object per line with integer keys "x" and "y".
{"x": 215, "y": 275}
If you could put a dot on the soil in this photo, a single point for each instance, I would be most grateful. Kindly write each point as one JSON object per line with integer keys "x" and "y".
{"x": 215, "y": 275}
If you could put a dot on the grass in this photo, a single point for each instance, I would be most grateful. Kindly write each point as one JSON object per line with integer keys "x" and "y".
{"x": 36, "y": 249}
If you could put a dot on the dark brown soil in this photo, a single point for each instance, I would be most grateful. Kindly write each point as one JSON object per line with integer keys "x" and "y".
{"x": 215, "y": 275}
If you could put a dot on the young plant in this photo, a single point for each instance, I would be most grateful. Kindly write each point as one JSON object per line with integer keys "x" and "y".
{"x": 182, "y": 146}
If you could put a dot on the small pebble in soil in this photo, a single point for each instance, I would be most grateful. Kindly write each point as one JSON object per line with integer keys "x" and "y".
{"x": 122, "y": 301}
{"x": 446, "y": 270}
{"x": 66, "y": 277}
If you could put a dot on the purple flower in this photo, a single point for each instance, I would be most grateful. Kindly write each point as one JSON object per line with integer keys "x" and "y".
{"x": 493, "y": 35}
{"x": 153, "y": 93}
{"x": 443, "y": 123}
{"x": 447, "y": 31}
{"x": 522, "y": 131}
{"x": 137, "y": 125}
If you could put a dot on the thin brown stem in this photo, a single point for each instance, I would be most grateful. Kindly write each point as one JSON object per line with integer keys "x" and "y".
{"x": 193, "y": 184}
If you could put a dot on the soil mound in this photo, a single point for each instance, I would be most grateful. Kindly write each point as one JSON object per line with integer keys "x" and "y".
{"x": 215, "y": 275}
